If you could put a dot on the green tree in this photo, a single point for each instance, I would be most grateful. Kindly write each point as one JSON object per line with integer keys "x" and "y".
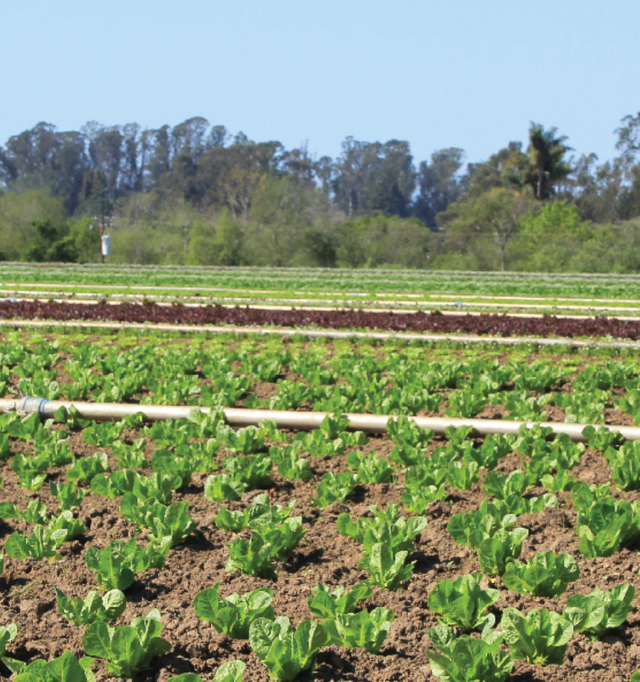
{"x": 485, "y": 226}
{"x": 546, "y": 152}
{"x": 19, "y": 216}
{"x": 383, "y": 241}
{"x": 439, "y": 184}
{"x": 551, "y": 236}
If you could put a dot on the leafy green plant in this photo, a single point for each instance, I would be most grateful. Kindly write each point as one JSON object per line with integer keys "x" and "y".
{"x": 253, "y": 471}
{"x": 334, "y": 488}
{"x": 423, "y": 485}
{"x": 463, "y": 602}
{"x": 231, "y": 671}
{"x": 164, "y": 521}
{"x": 69, "y": 495}
{"x": 325, "y": 603}
{"x": 86, "y": 468}
{"x": 475, "y": 526}
{"x": 291, "y": 465}
{"x": 625, "y": 465}
{"x": 64, "y": 668}
{"x": 384, "y": 526}
{"x": 36, "y": 512}
{"x": 540, "y": 637}
{"x": 502, "y": 487}
{"x": 410, "y": 440}
{"x": 234, "y": 614}
{"x": 130, "y": 456}
{"x": 370, "y": 469}
{"x": 92, "y": 608}
{"x": 284, "y": 651}
{"x": 318, "y": 444}
{"x": 386, "y": 568}
{"x": 563, "y": 480}
{"x": 605, "y": 524}
{"x": 599, "y": 612}
{"x": 173, "y": 464}
{"x": 462, "y": 475}
{"x": 500, "y": 548}
{"x": 468, "y": 659}
{"x": 364, "y": 629}
{"x": 245, "y": 441}
{"x": 43, "y": 543}
{"x": 7, "y": 634}
{"x": 602, "y": 438}
{"x": 259, "y": 513}
{"x": 129, "y": 648}
{"x": 268, "y": 542}
{"x": 103, "y": 434}
{"x": 30, "y": 470}
{"x": 546, "y": 574}
{"x": 220, "y": 487}
{"x": 118, "y": 563}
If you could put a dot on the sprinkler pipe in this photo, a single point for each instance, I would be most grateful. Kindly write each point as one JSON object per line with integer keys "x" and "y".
{"x": 295, "y": 421}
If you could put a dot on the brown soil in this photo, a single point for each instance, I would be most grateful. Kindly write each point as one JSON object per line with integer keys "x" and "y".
{"x": 27, "y": 595}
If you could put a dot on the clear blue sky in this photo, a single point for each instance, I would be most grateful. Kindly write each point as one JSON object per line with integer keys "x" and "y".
{"x": 437, "y": 73}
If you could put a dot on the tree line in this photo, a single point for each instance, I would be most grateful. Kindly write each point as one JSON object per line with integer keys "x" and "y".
{"x": 196, "y": 194}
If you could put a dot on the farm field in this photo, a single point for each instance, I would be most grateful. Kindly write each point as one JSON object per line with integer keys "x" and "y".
{"x": 332, "y": 282}
{"x": 201, "y": 501}
{"x": 325, "y": 298}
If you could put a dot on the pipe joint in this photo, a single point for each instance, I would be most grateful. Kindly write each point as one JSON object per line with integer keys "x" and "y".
{"x": 30, "y": 405}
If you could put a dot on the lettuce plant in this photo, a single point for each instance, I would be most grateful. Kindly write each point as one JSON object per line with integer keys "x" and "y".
{"x": 325, "y": 603}
{"x": 234, "y": 614}
{"x": 334, "y": 488}
{"x": 86, "y": 468}
{"x": 599, "y": 612}
{"x": 268, "y": 542}
{"x": 541, "y": 636}
{"x": 625, "y": 465}
{"x": 504, "y": 487}
{"x": 92, "y": 608}
{"x": 468, "y": 659}
{"x": 43, "y": 543}
{"x": 463, "y": 602}
{"x": 64, "y": 668}
{"x": 129, "y": 648}
{"x": 284, "y": 651}
{"x": 386, "y": 568}
{"x": 231, "y": 671}
{"x": 164, "y": 521}
{"x": 495, "y": 552}
{"x": 7, "y": 634}
{"x": 254, "y": 471}
{"x": 118, "y": 563}
{"x": 364, "y": 629}
{"x": 69, "y": 495}
{"x": 259, "y": 513}
{"x": 370, "y": 469}
{"x": 220, "y": 487}
{"x": 385, "y": 526}
{"x": 546, "y": 574}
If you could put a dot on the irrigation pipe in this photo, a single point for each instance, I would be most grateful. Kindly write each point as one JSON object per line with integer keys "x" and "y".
{"x": 320, "y": 333}
{"x": 295, "y": 421}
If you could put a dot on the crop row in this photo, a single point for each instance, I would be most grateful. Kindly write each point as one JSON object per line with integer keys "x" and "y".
{"x": 362, "y": 281}
{"x": 502, "y": 325}
{"x": 156, "y": 477}
{"x": 339, "y": 377}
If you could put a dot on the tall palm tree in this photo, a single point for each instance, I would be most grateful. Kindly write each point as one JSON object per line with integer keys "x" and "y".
{"x": 546, "y": 152}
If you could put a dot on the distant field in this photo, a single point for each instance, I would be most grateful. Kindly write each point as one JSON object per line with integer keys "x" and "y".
{"x": 584, "y": 294}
